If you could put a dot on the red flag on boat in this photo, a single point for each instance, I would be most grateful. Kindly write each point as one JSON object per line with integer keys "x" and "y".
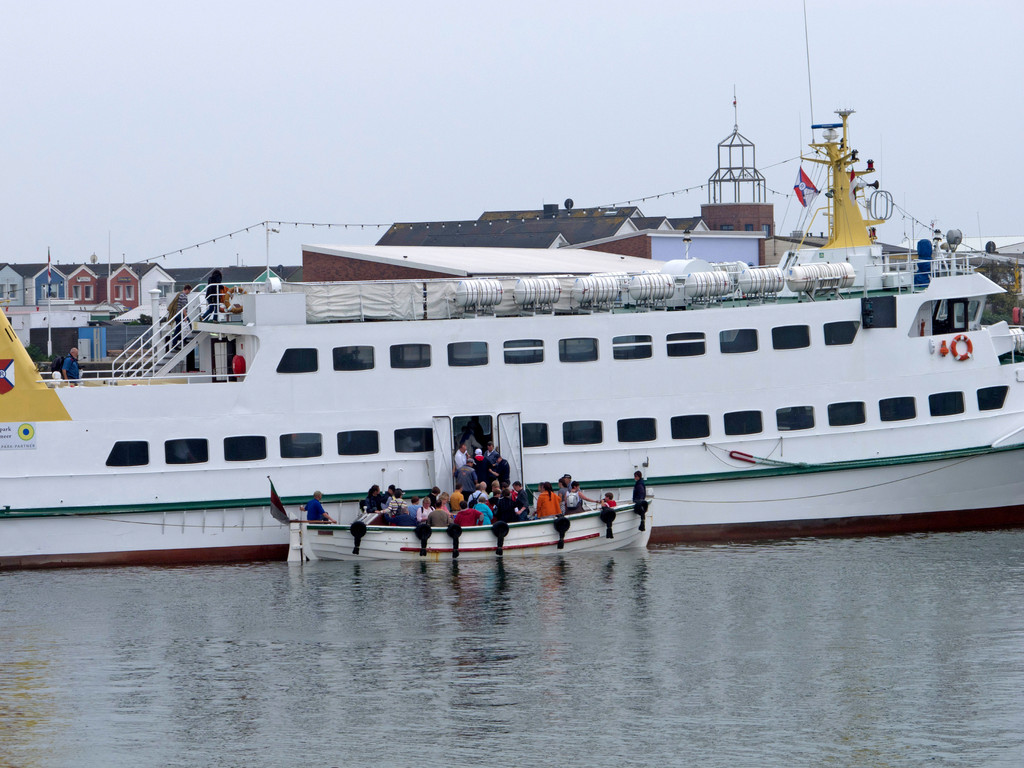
{"x": 805, "y": 189}
{"x": 276, "y": 507}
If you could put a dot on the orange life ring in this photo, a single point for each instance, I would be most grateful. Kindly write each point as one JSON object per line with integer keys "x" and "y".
{"x": 957, "y": 355}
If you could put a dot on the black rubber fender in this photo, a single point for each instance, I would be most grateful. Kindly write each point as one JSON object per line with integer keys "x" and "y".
{"x": 500, "y": 531}
{"x": 608, "y": 517}
{"x": 562, "y": 525}
{"x": 423, "y": 532}
{"x": 358, "y": 530}
{"x": 454, "y": 531}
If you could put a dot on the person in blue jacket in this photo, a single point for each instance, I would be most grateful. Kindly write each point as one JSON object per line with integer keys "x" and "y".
{"x": 315, "y": 511}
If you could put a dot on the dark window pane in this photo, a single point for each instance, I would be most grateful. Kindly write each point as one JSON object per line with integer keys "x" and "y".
{"x": 791, "y": 337}
{"x": 410, "y": 356}
{"x": 462, "y": 354}
{"x": 581, "y": 432}
{"x": 535, "y": 435}
{"x": 245, "y": 448}
{"x": 297, "y": 361}
{"x": 991, "y": 398}
{"x": 946, "y": 403}
{"x": 846, "y": 414}
{"x": 897, "y": 409}
{"x": 191, "y": 450}
{"x": 636, "y": 430}
{"x": 522, "y": 351}
{"x": 353, "y": 358}
{"x": 631, "y": 347}
{"x": 685, "y": 344}
{"x": 743, "y": 423}
{"x": 842, "y": 332}
{"x": 129, "y": 453}
{"x": 794, "y": 418}
{"x": 690, "y": 427}
{"x": 577, "y": 350}
{"x": 301, "y": 445}
{"x": 414, "y": 440}
{"x": 738, "y": 340}
{"x": 358, "y": 442}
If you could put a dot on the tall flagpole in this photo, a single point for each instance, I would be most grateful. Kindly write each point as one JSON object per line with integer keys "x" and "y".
{"x": 49, "y": 290}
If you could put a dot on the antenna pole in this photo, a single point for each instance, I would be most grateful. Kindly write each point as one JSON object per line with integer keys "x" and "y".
{"x": 807, "y": 49}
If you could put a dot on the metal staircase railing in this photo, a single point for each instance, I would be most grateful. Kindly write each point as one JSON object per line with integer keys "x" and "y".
{"x": 148, "y": 354}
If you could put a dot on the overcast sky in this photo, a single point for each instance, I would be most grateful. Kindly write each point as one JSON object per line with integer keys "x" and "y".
{"x": 156, "y": 126}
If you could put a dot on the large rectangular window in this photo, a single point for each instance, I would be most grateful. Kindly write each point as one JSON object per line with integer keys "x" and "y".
{"x": 245, "y": 448}
{"x": 991, "y": 398}
{"x": 631, "y": 347}
{"x": 743, "y": 423}
{"x": 410, "y": 355}
{"x": 535, "y": 434}
{"x": 640, "y": 430}
{"x": 301, "y": 445}
{"x": 897, "y": 409}
{"x": 581, "y": 432}
{"x": 791, "y": 337}
{"x": 842, "y": 332}
{"x": 190, "y": 450}
{"x": 298, "y": 361}
{"x": 358, "y": 442}
{"x": 577, "y": 350}
{"x": 523, "y": 351}
{"x": 685, "y": 344}
{"x": 794, "y": 418}
{"x": 846, "y": 414}
{"x": 129, "y": 453}
{"x": 690, "y": 426}
{"x": 946, "y": 403}
{"x": 737, "y": 340}
{"x": 463, "y": 354}
{"x": 414, "y": 440}
{"x": 353, "y": 358}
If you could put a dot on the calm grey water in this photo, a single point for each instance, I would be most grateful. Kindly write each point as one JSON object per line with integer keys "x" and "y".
{"x": 896, "y": 651}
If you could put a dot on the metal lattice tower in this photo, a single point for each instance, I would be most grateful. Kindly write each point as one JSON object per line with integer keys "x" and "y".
{"x": 734, "y": 153}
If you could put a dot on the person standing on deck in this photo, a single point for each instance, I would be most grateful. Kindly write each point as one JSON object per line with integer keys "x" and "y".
{"x": 69, "y": 370}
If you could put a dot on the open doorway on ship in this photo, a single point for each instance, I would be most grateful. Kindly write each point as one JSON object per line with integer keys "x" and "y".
{"x": 476, "y": 430}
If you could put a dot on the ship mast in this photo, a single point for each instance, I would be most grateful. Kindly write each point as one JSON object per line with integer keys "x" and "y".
{"x": 847, "y": 228}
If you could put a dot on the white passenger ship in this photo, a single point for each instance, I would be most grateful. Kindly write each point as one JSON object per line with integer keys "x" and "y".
{"x": 841, "y": 392}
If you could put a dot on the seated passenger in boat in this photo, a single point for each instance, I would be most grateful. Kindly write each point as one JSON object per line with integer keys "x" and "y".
{"x": 439, "y": 516}
{"x": 574, "y": 499}
{"x": 505, "y": 508}
{"x": 415, "y": 505}
{"x": 396, "y": 506}
{"x": 467, "y": 516}
{"x": 486, "y": 513}
{"x": 608, "y": 502}
{"x": 374, "y": 501}
{"x": 315, "y": 511}
{"x": 424, "y": 511}
{"x": 548, "y": 503}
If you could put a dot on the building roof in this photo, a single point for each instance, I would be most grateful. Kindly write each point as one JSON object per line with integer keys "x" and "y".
{"x": 484, "y": 262}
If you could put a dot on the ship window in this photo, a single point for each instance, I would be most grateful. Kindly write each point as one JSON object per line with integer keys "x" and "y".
{"x": 353, "y": 358}
{"x": 991, "y": 398}
{"x": 577, "y": 350}
{"x": 743, "y": 423}
{"x": 897, "y": 409}
{"x": 535, "y": 434}
{"x": 414, "y": 440}
{"x": 791, "y": 337}
{"x": 410, "y": 355}
{"x": 636, "y": 430}
{"x": 794, "y": 418}
{"x": 946, "y": 403}
{"x": 191, "y": 450}
{"x": 685, "y": 344}
{"x": 301, "y": 445}
{"x": 737, "y": 340}
{"x": 297, "y": 361}
{"x": 245, "y": 448}
{"x": 842, "y": 332}
{"x": 129, "y": 453}
{"x": 462, "y": 354}
{"x": 585, "y": 432}
{"x": 358, "y": 442}
{"x": 631, "y": 347}
{"x": 690, "y": 427}
{"x": 846, "y": 414}
{"x": 522, "y": 351}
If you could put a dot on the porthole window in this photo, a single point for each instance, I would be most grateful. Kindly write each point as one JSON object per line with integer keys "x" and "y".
{"x": 897, "y": 409}
{"x": 794, "y": 418}
{"x": 192, "y": 450}
{"x": 410, "y": 356}
{"x": 690, "y": 426}
{"x": 991, "y": 398}
{"x": 846, "y": 414}
{"x": 582, "y": 432}
{"x": 298, "y": 361}
{"x": 353, "y": 358}
{"x": 685, "y": 344}
{"x": 743, "y": 423}
{"x": 245, "y": 448}
{"x": 639, "y": 430}
{"x": 842, "y": 332}
{"x": 577, "y": 350}
{"x": 946, "y": 403}
{"x": 358, "y": 442}
{"x": 535, "y": 434}
{"x": 463, "y": 354}
{"x": 524, "y": 351}
{"x": 791, "y": 337}
{"x": 737, "y": 340}
{"x": 631, "y": 347}
{"x": 301, "y": 445}
{"x": 129, "y": 453}
{"x": 414, "y": 440}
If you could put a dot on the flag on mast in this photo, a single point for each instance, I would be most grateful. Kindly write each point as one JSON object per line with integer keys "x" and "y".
{"x": 48, "y": 278}
{"x": 276, "y": 507}
{"x": 805, "y": 189}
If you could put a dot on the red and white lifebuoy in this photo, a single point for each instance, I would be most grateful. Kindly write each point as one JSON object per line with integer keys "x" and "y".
{"x": 955, "y": 351}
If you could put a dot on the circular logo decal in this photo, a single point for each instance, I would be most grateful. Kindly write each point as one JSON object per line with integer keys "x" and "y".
{"x": 26, "y": 432}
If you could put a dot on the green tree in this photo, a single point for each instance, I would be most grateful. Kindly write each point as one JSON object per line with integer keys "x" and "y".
{"x": 1000, "y": 307}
